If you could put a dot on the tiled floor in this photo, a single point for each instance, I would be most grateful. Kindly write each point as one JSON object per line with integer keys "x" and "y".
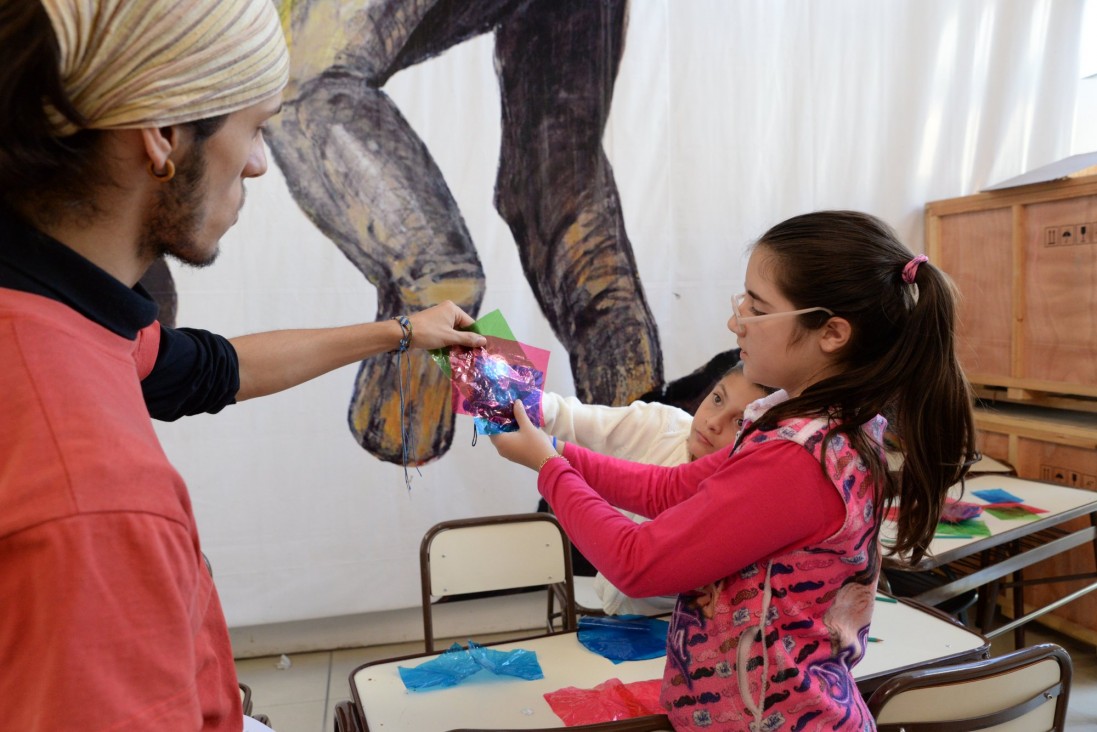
{"x": 301, "y": 698}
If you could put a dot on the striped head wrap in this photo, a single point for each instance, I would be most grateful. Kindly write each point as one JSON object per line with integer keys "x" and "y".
{"x": 128, "y": 64}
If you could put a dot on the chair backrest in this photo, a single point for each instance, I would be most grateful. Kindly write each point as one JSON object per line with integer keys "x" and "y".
{"x": 493, "y": 553}
{"x": 1023, "y": 691}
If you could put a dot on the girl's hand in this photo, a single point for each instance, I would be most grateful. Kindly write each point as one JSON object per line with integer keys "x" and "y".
{"x": 440, "y": 326}
{"x": 528, "y": 446}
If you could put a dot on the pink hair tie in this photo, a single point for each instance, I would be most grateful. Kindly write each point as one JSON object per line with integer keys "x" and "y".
{"x": 910, "y": 269}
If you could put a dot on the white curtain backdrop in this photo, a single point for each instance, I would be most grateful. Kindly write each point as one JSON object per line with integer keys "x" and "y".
{"x": 729, "y": 116}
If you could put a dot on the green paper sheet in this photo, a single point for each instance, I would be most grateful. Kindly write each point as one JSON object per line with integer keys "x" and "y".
{"x": 1013, "y": 513}
{"x": 971, "y": 527}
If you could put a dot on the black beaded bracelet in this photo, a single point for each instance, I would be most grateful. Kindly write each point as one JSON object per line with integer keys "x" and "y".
{"x": 405, "y": 326}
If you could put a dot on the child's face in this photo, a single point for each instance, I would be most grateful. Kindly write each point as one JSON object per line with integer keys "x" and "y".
{"x": 774, "y": 351}
{"x": 717, "y": 420}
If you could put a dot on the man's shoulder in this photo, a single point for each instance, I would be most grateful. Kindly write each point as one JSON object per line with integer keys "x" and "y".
{"x": 76, "y": 434}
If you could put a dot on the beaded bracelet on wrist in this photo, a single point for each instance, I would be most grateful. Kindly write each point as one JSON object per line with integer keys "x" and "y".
{"x": 405, "y": 327}
{"x": 552, "y": 457}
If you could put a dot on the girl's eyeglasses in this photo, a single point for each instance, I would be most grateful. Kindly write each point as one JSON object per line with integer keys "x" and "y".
{"x": 740, "y": 319}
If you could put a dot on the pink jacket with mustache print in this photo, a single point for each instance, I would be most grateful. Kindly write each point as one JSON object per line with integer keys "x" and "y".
{"x": 774, "y": 558}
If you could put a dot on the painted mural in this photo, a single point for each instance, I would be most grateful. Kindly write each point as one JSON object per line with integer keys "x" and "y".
{"x": 367, "y": 181}
{"x": 363, "y": 176}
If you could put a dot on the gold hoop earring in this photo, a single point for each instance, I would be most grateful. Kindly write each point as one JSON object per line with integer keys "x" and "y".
{"x": 164, "y": 177}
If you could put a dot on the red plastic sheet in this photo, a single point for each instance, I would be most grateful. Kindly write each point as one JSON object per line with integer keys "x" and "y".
{"x": 609, "y": 701}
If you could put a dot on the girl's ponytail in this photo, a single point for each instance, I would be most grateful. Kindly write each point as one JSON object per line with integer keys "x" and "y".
{"x": 932, "y": 409}
{"x": 900, "y": 360}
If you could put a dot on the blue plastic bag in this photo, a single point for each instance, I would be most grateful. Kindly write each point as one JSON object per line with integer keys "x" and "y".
{"x": 519, "y": 663}
{"x": 624, "y": 637}
{"x": 457, "y": 664}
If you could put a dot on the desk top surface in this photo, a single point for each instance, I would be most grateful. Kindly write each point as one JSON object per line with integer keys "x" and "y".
{"x": 987, "y": 464}
{"x": 908, "y": 635}
{"x": 1060, "y": 503}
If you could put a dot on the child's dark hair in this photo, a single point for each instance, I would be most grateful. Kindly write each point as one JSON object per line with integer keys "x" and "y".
{"x": 687, "y": 392}
{"x": 740, "y": 370}
{"x": 900, "y": 358}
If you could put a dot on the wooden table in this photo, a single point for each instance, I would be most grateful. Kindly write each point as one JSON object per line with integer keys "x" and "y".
{"x": 910, "y": 636}
{"x": 982, "y": 562}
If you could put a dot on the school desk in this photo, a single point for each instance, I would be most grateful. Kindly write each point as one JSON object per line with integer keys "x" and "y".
{"x": 907, "y": 636}
{"x": 987, "y": 464}
{"x": 982, "y": 561}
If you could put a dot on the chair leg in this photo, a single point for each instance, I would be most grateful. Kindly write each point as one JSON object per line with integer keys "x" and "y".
{"x": 989, "y": 606}
{"x": 550, "y": 625}
{"x": 993, "y": 589}
{"x": 1018, "y": 608}
{"x": 983, "y": 595}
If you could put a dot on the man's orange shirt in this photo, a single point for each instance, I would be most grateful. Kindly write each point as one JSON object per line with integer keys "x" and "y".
{"x": 110, "y": 619}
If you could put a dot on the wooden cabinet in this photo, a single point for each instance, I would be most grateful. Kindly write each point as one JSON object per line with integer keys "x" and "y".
{"x": 1058, "y": 446}
{"x": 1025, "y": 262}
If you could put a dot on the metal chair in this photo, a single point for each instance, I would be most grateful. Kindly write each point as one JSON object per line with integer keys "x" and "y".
{"x": 586, "y": 601}
{"x": 465, "y": 556}
{"x": 245, "y": 702}
{"x": 1024, "y": 690}
{"x": 245, "y": 698}
{"x": 346, "y": 718}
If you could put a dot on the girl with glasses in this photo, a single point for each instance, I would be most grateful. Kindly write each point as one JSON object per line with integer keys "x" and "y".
{"x": 655, "y": 434}
{"x": 772, "y": 546}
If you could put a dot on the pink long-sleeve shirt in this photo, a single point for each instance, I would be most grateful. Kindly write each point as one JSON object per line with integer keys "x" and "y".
{"x": 716, "y": 515}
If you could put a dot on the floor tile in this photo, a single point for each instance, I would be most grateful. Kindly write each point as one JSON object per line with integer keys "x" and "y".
{"x": 306, "y": 679}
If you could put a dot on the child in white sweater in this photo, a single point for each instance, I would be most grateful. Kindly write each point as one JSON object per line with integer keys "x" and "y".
{"x": 658, "y": 434}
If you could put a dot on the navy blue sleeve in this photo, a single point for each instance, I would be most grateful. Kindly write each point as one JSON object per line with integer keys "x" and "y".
{"x": 196, "y": 371}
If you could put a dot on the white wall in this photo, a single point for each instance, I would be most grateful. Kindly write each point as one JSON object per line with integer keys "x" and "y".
{"x": 1084, "y": 139}
{"x": 728, "y": 117}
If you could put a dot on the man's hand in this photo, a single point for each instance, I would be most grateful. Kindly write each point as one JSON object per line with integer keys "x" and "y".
{"x": 440, "y": 326}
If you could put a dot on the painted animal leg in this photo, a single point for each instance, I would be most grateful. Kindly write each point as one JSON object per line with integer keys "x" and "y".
{"x": 367, "y": 181}
{"x": 557, "y": 61}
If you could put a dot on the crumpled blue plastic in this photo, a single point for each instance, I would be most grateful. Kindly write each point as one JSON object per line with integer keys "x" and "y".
{"x": 624, "y": 637}
{"x": 456, "y": 664}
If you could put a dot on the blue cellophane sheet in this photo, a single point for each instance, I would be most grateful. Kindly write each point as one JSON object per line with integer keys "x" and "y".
{"x": 624, "y": 637}
{"x": 457, "y": 664}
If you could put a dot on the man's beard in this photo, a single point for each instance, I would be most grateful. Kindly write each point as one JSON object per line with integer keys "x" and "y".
{"x": 171, "y": 227}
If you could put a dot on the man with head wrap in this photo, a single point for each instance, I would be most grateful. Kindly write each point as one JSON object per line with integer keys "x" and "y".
{"x": 128, "y": 131}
